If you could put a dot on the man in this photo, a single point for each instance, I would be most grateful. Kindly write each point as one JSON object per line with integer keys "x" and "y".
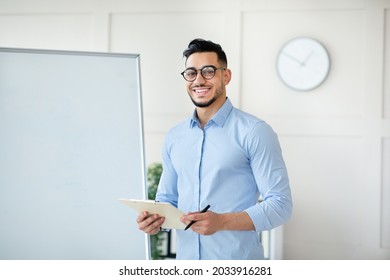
{"x": 225, "y": 158}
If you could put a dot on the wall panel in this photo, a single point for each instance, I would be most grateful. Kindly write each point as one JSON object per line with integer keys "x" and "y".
{"x": 47, "y": 31}
{"x": 263, "y": 35}
{"x": 385, "y": 199}
{"x": 326, "y": 180}
{"x": 385, "y": 194}
{"x": 386, "y": 84}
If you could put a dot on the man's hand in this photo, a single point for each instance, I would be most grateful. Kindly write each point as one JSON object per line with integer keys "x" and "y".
{"x": 205, "y": 223}
{"x": 210, "y": 222}
{"x": 149, "y": 223}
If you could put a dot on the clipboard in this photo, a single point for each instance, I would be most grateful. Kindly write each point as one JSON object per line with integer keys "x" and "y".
{"x": 172, "y": 214}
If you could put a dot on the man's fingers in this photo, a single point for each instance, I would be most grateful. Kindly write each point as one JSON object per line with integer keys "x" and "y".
{"x": 142, "y": 216}
{"x": 150, "y": 224}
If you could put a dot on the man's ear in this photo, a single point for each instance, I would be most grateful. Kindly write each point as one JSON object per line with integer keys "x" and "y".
{"x": 228, "y": 76}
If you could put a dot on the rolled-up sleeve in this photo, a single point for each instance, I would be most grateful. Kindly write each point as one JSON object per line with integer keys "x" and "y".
{"x": 270, "y": 173}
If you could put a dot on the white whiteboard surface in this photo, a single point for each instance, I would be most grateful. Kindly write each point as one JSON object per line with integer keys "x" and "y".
{"x": 71, "y": 145}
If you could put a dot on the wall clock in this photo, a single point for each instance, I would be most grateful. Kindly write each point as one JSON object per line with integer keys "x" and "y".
{"x": 303, "y": 64}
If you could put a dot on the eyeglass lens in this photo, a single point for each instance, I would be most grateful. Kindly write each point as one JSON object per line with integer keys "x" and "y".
{"x": 207, "y": 72}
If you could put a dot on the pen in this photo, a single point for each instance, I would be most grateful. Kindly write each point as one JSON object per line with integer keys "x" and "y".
{"x": 192, "y": 222}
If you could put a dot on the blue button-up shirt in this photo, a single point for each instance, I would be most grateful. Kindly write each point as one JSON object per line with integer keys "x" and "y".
{"x": 230, "y": 163}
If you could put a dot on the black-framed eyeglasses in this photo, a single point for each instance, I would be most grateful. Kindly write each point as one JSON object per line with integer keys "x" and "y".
{"x": 207, "y": 72}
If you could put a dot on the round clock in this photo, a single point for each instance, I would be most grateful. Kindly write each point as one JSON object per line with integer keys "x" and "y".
{"x": 303, "y": 64}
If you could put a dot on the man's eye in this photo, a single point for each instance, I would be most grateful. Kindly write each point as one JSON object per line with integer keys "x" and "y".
{"x": 190, "y": 73}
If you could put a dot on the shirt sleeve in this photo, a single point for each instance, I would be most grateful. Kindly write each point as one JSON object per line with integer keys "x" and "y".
{"x": 167, "y": 188}
{"x": 271, "y": 177}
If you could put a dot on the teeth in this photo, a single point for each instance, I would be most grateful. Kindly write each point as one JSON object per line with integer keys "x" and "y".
{"x": 201, "y": 90}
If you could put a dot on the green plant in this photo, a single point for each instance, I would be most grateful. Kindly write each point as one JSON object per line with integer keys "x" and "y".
{"x": 153, "y": 175}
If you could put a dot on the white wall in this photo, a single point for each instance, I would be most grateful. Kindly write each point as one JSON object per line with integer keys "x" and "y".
{"x": 336, "y": 139}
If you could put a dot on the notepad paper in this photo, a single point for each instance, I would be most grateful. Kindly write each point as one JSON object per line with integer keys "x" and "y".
{"x": 172, "y": 214}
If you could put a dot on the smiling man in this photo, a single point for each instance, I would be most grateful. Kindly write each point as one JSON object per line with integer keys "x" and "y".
{"x": 225, "y": 158}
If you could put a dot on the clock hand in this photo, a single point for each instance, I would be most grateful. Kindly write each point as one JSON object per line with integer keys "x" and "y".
{"x": 293, "y": 58}
{"x": 307, "y": 58}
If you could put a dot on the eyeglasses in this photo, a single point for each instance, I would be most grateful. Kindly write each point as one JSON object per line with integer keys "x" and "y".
{"x": 207, "y": 72}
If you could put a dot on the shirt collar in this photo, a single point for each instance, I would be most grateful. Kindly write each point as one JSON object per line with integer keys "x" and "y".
{"x": 219, "y": 118}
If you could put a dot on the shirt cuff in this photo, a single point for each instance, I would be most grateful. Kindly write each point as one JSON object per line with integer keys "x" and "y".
{"x": 255, "y": 216}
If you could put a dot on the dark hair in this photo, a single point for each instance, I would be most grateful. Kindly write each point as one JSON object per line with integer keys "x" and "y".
{"x": 201, "y": 45}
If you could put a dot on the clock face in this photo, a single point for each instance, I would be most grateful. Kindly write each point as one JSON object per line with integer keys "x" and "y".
{"x": 303, "y": 64}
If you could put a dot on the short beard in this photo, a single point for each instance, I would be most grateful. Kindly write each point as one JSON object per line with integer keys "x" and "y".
{"x": 205, "y": 104}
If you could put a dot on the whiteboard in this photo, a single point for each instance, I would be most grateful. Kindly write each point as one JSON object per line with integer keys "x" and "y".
{"x": 71, "y": 145}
